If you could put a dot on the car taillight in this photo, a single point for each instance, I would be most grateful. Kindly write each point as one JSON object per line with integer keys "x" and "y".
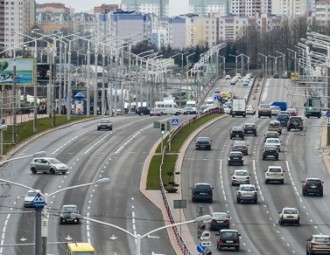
{"x": 197, "y": 142}
{"x": 321, "y": 186}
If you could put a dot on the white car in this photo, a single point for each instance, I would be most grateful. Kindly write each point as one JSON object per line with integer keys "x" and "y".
{"x": 275, "y": 110}
{"x": 273, "y": 142}
{"x": 274, "y": 173}
{"x": 240, "y": 176}
{"x": 247, "y": 193}
{"x": 227, "y": 109}
{"x": 227, "y": 77}
{"x": 29, "y": 197}
{"x": 250, "y": 110}
{"x": 289, "y": 215}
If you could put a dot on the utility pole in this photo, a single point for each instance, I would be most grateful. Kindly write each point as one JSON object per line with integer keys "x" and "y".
{"x": 14, "y": 97}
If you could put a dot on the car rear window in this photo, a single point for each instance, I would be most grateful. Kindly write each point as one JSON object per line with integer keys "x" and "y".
{"x": 315, "y": 182}
{"x": 283, "y": 117}
{"x": 229, "y": 235}
{"x": 322, "y": 239}
{"x": 275, "y": 170}
{"x": 203, "y": 188}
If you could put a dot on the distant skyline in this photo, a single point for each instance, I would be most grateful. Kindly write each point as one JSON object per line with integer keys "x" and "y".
{"x": 176, "y": 6}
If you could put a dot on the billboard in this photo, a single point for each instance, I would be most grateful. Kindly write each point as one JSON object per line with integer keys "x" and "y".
{"x": 24, "y": 71}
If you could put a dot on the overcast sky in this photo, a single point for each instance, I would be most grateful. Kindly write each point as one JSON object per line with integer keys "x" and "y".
{"x": 176, "y": 6}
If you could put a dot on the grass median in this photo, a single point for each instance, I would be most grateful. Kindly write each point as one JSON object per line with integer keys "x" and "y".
{"x": 171, "y": 157}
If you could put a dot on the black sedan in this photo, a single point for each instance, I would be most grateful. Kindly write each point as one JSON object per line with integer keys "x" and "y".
{"x": 203, "y": 143}
{"x": 235, "y": 158}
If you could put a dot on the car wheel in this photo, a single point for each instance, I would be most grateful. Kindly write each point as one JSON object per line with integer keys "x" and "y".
{"x": 34, "y": 171}
{"x": 219, "y": 247}
{"x": 256, "y": 201}
{"x": 238, "y": 201}
{"x": 63, "y": 172}
{"x": 288, "y": 129}
{"x": 237, "y": 248}
{"x": 304, "y": 193}
{"x": 255, "y": 134}
{"x": 276, "y": 158}
{"x": 263, "y": 158}
{"x": 266, "y": 181}
{"x": 52, "y": 171}
{"x": 258, "y": 116}
{"x": 321, "y": 193}
{"x": 298, "y": 222}
{"x": 282, "y": 181}
{"x": 280, "y": 222}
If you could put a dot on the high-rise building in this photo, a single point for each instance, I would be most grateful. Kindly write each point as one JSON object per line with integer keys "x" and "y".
{"x": 207, "y": 7}
{"x": 290, "y": 8}
{"x": 249, "y": 8}
{"x": 158, "y": 7}
{"x": 16, "y": 16}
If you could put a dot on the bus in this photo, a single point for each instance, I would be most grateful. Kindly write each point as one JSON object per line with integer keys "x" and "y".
{"x": 80, "y": 249}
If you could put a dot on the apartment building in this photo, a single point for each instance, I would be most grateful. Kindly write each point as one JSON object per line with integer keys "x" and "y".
{"x": 208, "y": 7}
{"x": 17, "y": 16}
{"x": 201, "y": 31}
{"x": 158, "y": 7}
{"x": 249, "y": 7}
{"x": 290, "y": 8}
{"x": 322, "y": 12}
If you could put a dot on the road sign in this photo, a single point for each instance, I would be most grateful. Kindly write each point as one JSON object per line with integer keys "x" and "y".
{"x": 175, "y": 122}
{"x": 200, "y": 248}
{"x": 39, "y": 201}
{"x": 206, "y": 243}
{"x": 216, "y": 97}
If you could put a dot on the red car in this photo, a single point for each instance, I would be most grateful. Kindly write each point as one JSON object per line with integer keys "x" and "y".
{"x": 242, "y": 148}
{"x": 293, "y": 111}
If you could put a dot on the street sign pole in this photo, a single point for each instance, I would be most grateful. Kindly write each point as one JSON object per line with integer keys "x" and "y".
{"x": 38, "y": 231}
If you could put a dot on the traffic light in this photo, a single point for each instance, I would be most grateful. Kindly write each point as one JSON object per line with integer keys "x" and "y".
{"x": 162, "y": 128}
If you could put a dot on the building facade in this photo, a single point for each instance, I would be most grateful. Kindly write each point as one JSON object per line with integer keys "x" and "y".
{"x": 158, "y": 7}
{"x": 208, "y": 7}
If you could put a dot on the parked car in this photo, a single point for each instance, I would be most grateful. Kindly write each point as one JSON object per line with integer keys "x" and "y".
{"x": 29, "y": 197}
{"x": 104, "y": 124}
{"x": 240, "y": 176}
{"x": 237, "y": 132}
{"x": 295, "y": 122}
{"x": 274, "y": 174}
{"x": 142, "y": 110}
{"x": 275, "y": 125}
{"x": 65, "y": 214}
{"x": 289, "y": 215}
{"x": 219, "y": 220}
{"x": 312, "y": 186}
{"x": 203, "y": 143}
{"x": 264, "y": 110}
{"x": 250, "y": 128}
{"x": 318, "y": 244}
{"x": 202, "y": 192}
{"x": 247, "y": 193}
{"x": 270, "y": 152}
{"x": 48, "y": 165}
{"x": 273, "y": 142}
{"x": 235, "y": 158}
{"x": 271, "y": 134}
{"x": 228, "y": 238}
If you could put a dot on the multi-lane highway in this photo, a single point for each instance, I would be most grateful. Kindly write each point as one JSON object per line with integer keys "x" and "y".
{"x": 120, "y": 155}
{"x": 258, "y": 223}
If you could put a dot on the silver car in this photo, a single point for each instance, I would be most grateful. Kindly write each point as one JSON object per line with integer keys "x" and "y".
{"x": 247, "y": 193}
{"x": 29, "y": 197}
{"x": 240, "y": 176}
{"x": 48, "y": 165}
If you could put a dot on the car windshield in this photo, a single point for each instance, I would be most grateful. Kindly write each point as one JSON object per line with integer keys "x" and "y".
{"x": 241, "y": 173}
{"x": 229, "y": 235}
{"x": 315, "y": 182}
{"x": 274, "y": 135}
{"x": 219, "y": 216}
{"x": 238, "y": 148}
{"x": 237, "y": 128}
{"x": 31, "y": 193}
{"x": 69, "y": 209}
{"x": 250, "y": 125}
{"x": 203, "y": 188}
{"x": 264, "y": 106}
{"x": 203, "y": 139}
{"x": 54, "y": 161}
{"x": 104, "y": 121}
{"x": 248, "y": 188}
{"x": 272, "y": 141}
{"x": 290, "y": 211}
{"x": 271, "y": 148}
{"x": 322, "y": 239}
{"x": 235, "y": 154}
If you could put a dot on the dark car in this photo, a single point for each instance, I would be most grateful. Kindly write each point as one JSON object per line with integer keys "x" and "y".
{"x": 235, "y": 158}
{"x": 283, "y": 118}
{"x": 142, "y": 111}
{"x": 242, "y": 148}
{"x": 65, "y": 214}
{"x": 228, "y": 238}
{"x": 312, "y": 186}
{"x": 250, "y": 128}
{"x": 264, "y": 110}
{"x": 219, "y": 220}
{"x": 237, "y": 132}
{"x": 202, "y": 192}
{"x": 203, "y": 143}
{"x": 295, "y": 122}
{"x": 270, "y": 152}
{"x": 271, "y": 134}
{"x": 104, "y": 124}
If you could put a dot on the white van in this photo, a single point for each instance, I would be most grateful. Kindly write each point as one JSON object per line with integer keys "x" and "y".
{"x": 192, "y": 104}
{"x": 167, "y": 107}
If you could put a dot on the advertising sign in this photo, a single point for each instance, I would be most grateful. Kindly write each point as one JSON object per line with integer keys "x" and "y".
{"x": 24, "y": 71}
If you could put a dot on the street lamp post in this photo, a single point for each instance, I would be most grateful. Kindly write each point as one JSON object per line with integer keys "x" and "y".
{"x": 266, "y": 62}
{"x": 235, "y": 61}
{"x": 275, "y": 58}
{"x": 283, "y": 60}
{"x": 224, "y": 64}
{"x": 139, "y": 237}
{"x": 295, "y": 59}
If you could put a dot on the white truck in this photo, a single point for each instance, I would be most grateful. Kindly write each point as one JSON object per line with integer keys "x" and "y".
{"x": 239, "y": 107}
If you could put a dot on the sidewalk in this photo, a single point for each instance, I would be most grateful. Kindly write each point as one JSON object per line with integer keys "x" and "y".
{"x": 324, "y": 149}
